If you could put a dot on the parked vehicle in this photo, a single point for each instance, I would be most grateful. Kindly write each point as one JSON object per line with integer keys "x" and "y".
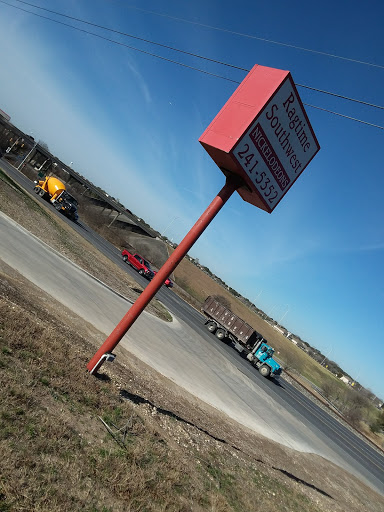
{"x": 54, "y": 190}
{"x": 138, "y": 263}
{"x": 222, "y": 322}
{"x": 168, "y": 282}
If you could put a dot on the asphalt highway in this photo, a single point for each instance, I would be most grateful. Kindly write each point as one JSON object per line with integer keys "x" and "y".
{"x": 357, "y": 453}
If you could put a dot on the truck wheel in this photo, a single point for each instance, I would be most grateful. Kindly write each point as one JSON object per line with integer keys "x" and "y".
{"x": 220, "y": 333}
{"x": 141, "y": 272}
{"x": 41, "y": 192}
{"x": 264, "y": 370}
{"x": 211, "y": 326}
{"x": 36, "y": 189}
{"x": 125, "y": 258}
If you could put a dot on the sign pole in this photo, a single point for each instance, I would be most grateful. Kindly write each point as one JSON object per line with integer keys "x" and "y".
{"x": 105, "y": 351}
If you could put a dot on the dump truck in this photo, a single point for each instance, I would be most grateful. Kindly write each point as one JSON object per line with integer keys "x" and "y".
{"x": 54, "y": 190}
{"x": 227, "y": 326}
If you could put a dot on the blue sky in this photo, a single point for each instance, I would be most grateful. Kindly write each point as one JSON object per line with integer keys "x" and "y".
{"x": 130, "y": 123}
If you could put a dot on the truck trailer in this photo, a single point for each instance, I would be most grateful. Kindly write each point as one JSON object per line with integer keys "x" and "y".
{"x": 227, "y": 326}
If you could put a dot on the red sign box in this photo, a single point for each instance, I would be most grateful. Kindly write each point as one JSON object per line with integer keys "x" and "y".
{"x": 264, "y": 135}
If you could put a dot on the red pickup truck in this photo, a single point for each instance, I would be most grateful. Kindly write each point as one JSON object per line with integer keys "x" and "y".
{"x": 138, "y": 263}
{"x": 142, "y": 266}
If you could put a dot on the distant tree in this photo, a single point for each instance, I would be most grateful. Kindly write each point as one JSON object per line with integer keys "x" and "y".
{"x": 311, "y": 352}
{"x": 367, "y": 393}
{"x": 44, "y": 145}
{"x": 317, "y": 357}
{"x": 223, "y": 300}
{"x": 234, "y": 292}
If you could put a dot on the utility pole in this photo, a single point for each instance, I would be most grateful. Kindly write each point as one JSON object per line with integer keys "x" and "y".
{"x": 326, "y": 357}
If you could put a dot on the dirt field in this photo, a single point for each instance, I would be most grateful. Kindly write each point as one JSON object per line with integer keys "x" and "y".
{"x": 172, "y": 453}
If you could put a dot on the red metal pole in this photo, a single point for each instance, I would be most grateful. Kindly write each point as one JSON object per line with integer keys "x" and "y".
{"x": 153, "y": 286}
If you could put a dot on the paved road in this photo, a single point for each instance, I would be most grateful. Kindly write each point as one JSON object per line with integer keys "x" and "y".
{"x": 193, "y": 358}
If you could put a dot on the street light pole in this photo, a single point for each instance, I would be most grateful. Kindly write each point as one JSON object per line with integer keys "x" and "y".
{"x": 26, "y": 156}
{"x": 273, "y": 307}
{"x": 284, "y": 314}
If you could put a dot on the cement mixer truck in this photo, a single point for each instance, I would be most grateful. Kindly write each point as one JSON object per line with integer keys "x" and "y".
{"x": 54, "y": 191}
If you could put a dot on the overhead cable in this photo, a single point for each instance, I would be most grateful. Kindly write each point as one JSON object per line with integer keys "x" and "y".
{"x": 176, "y": 62}
{"x": 188, "y": 53}
{"x": 120, "y": 43}
{"x": 249, "y": 36}
{"x": 343, "y": 115}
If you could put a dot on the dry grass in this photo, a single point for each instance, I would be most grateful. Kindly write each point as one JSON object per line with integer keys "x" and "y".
{"x": 177, "y": 455}
{"x": 57, "y": 455}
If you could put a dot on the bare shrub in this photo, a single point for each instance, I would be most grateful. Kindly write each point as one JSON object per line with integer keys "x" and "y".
{"x": 330, "y": 389}
{"x": 29, "y": 172}
{"x": 377, "y": 425}
{"x": 76, "y": 188}
{"x": 354, "y": 416}
{"x": 356, "y": 399}
{"x": 293, "y": 362}
{"x": 350, "y": 402}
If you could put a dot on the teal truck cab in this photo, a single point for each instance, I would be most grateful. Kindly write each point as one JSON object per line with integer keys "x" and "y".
{"x": 261, "y": 356}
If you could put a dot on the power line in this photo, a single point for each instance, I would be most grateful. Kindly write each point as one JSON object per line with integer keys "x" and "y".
{"x": 131, "y": 36}
{"x": 249, "y": 36}
{"x": 341, "y": 96}
{"x": 346, "y": 117}
{"x": 188, "y": 53}
{"x": 120, "y": 43}
{"x": 182, "y": 64}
